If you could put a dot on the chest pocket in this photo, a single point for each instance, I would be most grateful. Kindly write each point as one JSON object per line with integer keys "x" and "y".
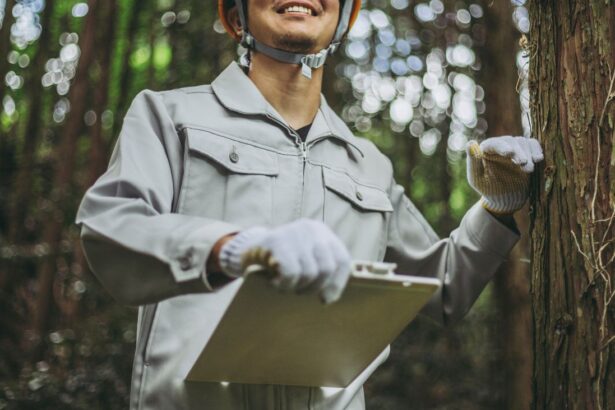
{"x": 227, "y": 179}
{"x": 358, "y": 213}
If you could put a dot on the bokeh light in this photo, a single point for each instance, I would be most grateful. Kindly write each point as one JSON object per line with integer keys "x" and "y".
{"x": 402, "y": 71}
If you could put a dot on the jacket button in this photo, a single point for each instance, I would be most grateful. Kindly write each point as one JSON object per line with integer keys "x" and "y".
{"x": 359, "y": 196}
{"x": 185, "y": 262}
{"x": 234, "y": 157}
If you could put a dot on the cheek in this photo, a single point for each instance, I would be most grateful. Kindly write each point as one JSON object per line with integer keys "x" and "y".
{"x": 332, "y": 3}
{"x": 332, "y": 6}
{"x": 258, "y": 3}
{"x": 333, "y": 11}
{"x": 332, "y": 25}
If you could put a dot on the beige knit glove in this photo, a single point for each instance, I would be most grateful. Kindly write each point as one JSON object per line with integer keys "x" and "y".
{"x": 499, "y": 169}
{"x": 299, "y": 255}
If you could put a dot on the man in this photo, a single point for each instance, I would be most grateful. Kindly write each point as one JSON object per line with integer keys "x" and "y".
{"x": 256, "y": 167}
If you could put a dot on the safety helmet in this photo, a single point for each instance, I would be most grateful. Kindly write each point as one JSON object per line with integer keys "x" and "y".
{"x": 348, "y": 15}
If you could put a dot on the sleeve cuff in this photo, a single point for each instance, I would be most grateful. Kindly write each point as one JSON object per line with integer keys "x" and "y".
{"x": 488, "y": 232}
{"x": 231, "y": 252}
{"x": 189, "y": 261}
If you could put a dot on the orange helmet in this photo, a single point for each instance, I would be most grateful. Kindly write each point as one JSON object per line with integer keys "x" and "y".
{"x": 348, "y": 15}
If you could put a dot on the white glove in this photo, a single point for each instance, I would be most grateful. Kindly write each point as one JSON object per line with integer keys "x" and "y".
{"x": 301, "y": 253}
{"x": 498, "y": 169}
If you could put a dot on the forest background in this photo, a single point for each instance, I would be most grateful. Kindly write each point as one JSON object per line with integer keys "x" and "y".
{"x": 419, "y": 78}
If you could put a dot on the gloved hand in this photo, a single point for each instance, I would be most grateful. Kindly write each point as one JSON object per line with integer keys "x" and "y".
{"x": 301, "y": 253}
{"x": 498, "y": 169}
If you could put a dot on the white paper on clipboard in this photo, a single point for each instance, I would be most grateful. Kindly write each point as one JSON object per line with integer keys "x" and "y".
{"x": 270, "y": 337}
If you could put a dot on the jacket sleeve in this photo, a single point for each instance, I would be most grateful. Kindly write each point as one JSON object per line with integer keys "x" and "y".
{"x": 464, "y": 262}
{"x": 137, "y": 247}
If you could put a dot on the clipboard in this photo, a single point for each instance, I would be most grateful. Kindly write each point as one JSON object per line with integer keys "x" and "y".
{"x": 270, "y": 337}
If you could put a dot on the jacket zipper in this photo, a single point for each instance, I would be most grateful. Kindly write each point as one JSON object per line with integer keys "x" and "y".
{"x": 304, "y": 154}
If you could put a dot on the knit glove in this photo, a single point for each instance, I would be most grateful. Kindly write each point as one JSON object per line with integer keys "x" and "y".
{"x": 499, "y": 169}
{"x": 301, "y": 254}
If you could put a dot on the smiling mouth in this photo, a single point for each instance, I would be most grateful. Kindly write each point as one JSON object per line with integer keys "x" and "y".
{"x": 297, "y": 9}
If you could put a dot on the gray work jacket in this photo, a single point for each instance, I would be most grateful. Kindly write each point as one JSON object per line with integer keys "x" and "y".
{"x": 194, "y": 164}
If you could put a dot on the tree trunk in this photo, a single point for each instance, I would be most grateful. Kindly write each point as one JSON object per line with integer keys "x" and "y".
{"x": 23, "y": 192}
{"x": 98, "y": 147}
{"x": 498, "y": 77}
{"x": 5, "y": 42}
{"x": 572, "y": 86}
{"x": 127, "y": 72}
{"x": 7, "y": 145}
{"x": 63, "y": 173}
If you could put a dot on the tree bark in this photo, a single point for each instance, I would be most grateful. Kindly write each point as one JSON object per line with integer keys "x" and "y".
{"x": 511, "y": 298}
{"x": 572, "y": 86}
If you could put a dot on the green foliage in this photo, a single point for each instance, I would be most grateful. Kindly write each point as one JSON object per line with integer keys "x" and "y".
{"x": 162, "y": 55}
{"x": 140, "y": 58}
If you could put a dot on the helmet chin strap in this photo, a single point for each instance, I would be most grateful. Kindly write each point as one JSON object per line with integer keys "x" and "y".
{"x": 308, "y": 62}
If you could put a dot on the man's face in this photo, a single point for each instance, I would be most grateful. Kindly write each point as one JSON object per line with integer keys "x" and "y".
{"x": 300, "y": 26}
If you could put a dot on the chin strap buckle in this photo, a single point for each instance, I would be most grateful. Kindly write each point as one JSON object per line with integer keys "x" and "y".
{"x": 306, "y": 70}
{"x": 312, "y": 61}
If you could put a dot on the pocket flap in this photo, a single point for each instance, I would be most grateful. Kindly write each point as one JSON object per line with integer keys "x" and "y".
{"x": 233, "y": 155}
{"x": 362, "y": 196}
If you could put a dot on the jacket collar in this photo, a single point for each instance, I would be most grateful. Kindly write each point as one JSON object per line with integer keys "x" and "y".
{"x": 238, "y": 93}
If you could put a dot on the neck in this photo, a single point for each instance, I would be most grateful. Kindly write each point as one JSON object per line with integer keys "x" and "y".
{"x": 294, "y": 96}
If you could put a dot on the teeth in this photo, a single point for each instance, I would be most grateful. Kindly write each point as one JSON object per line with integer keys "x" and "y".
{"x": 298, "y": 9}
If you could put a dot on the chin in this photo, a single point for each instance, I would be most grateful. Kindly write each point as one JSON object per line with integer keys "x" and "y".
{"x": 296, "y": 43}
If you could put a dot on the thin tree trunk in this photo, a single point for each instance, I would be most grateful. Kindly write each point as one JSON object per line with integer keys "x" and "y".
{"x": 5, "y": 43}
{"x": 511, "y": 283}
{"x": 63, "y": 172}
{"x": 7, "y": 145}
{"x": 572, "y": 86}
{"x": 151, "y": 67}
{"x": 98, "y": 148}
{"x": 22, "y": 194}
{"x": 127, "y": 72}
{"x": 98, "y": 151}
